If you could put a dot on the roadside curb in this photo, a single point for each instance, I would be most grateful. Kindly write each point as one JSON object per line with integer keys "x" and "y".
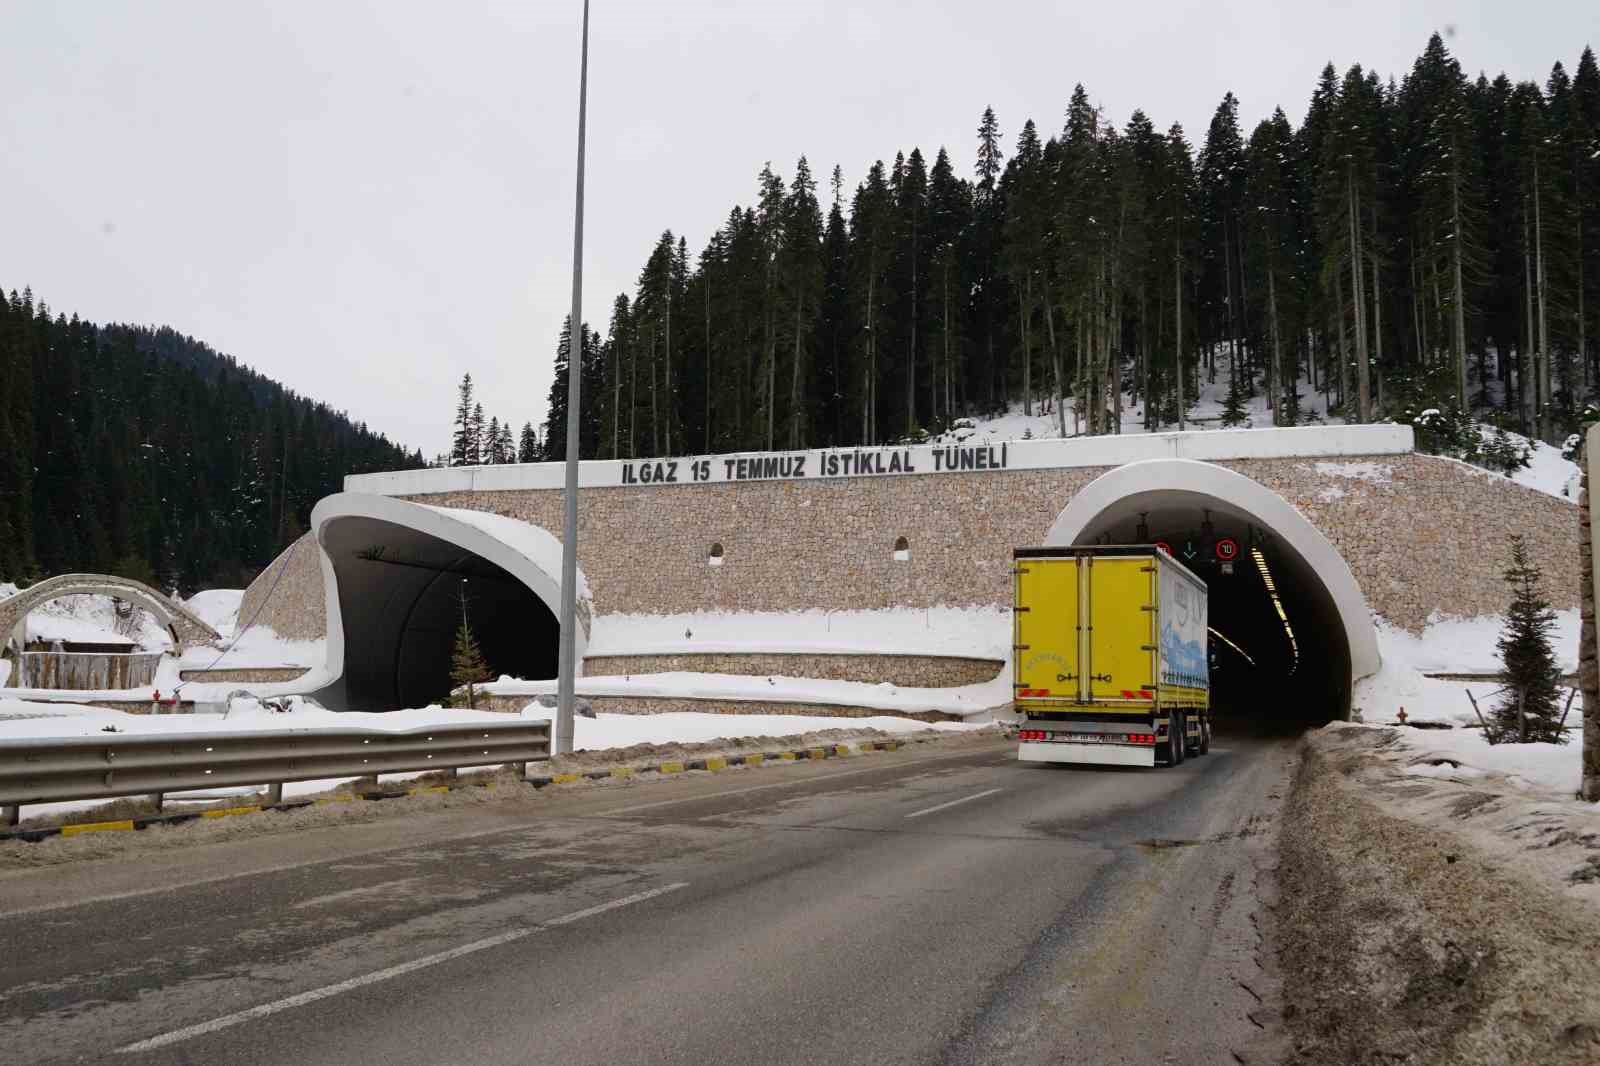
{"x": 710, "y": 763}
{"x": 714, "y": 763}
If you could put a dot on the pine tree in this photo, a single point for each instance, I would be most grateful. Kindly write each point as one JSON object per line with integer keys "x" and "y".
{"x": 1234, "y": 409}
{"x": 468, "y": 667}
{"x": 1530, "y": 709}
{"x": 492, "y": 453}
{"x": 462, "y": 452}
{"x": 528, "y": 449}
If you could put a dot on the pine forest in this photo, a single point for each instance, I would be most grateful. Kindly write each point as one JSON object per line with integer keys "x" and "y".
{"x": 1414, "y": 248}
{"x": 145, "y": 453}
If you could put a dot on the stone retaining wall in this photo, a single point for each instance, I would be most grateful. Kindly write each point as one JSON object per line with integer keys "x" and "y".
{"x": 1422, "y": 535}
{"x": 907, "y": 671}
{"x": 259, "y": 675}
{"x": 291, "y": 605}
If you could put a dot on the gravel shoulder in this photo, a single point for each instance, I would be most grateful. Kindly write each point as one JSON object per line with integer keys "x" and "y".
{"x": 1414, "y": 926}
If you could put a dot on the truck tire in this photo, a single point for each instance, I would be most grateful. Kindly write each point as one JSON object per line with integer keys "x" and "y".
{"x": 1175, "y": 742}
{"x": 1205, "y": 738}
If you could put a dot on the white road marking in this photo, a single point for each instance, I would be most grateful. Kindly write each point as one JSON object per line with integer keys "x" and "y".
{"x": 952, "y": 803}
{"x": 192, "y": 1031}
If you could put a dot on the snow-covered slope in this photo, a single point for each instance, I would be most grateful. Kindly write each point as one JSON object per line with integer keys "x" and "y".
{"x": 1548, "y": 471}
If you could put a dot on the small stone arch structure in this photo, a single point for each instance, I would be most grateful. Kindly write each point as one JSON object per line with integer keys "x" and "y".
{"x": 186, "y": 628}
{"x": 1335, "y": 611}
{"x": 391, "y": 570}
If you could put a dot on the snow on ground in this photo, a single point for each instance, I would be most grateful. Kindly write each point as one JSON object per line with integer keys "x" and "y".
{"x": 1553, "y": 769}
{"x": 1205, "y": 414}
{"x": 217, "y": 608}
{"x": 964, "y": 700}
{"x": 1450, "y": 646}
{"x": 977, "y": 632}
{"x": 1548, "y": 470}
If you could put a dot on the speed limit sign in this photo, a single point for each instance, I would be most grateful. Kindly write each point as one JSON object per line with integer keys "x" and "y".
{"x": 1227, "y": 550}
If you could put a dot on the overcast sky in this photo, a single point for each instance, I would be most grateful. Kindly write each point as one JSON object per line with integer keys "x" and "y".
{"x": 365, "y": 200}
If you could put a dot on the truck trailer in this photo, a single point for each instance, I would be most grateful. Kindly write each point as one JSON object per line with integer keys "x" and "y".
{"x": 1110, "y": 656}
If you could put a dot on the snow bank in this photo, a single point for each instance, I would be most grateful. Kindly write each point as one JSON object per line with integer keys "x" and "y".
{"x": 1205, "y": 414}
{"x": 1548, "y": 470}
{"x": 217, "y": 608}
{"x": 965, "y": 700}
{"x": 1447, "y": 645}
{"x": 976, "y": 632}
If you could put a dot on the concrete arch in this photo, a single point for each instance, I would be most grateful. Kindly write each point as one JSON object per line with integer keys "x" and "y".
{"x": 186, "y": 628}
{"x": 1153, "y": 483}
{"x": 388, "y": 564}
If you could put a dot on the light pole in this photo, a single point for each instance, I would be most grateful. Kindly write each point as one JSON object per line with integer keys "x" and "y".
{"x": 561, "y": 743}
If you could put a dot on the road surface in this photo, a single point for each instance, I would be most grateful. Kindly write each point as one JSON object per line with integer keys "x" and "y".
{"x": 923, "y": 906}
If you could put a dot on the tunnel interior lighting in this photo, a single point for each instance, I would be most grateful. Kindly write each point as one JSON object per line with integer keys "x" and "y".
{"x": 1277, "y": 605}
{"x": 1244, "y": 654}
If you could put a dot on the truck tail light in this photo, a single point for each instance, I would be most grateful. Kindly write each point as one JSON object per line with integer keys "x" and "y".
{"x": 1142, "y": 738}
{"x": 1031, "y": 734}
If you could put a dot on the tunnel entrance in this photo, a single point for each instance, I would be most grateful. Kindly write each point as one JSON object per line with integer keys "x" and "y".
{"x": 402, "y": 577}
{"x": 1290, "y": 631}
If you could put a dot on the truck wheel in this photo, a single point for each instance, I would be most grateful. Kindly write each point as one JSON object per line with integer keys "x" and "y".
{"x": 1175, "y": 739}
{"x": 1205, "y": 737}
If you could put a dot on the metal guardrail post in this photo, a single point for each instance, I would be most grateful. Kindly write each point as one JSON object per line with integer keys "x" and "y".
{"x": 10, "y": 815}
{"x": 274, "y": 794}
{"x": 156, "y": 799}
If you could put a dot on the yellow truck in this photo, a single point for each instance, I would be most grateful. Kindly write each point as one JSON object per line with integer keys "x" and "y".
{"x": 1110, "y": 656}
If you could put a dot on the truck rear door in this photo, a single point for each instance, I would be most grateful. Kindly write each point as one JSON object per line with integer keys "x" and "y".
{"x": 1121, "y": 609}
{"x": 1046, "y": 627}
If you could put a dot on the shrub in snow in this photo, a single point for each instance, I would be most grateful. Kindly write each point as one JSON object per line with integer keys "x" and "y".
{"x": 1505, "y": 453}
{"x": 1529, "y": 708}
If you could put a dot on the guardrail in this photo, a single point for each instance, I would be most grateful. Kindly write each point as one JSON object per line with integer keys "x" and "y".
{"x": 56, "y": 769}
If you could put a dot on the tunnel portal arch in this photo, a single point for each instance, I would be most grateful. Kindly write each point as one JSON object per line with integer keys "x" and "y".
{"x": 186, "y": 628}
{"x": 1160, "y": 494}
{"x": 393, "y": 574}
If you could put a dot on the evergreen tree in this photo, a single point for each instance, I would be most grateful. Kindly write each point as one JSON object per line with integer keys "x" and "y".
{"x": 468, "y": 668}
{"x": 1530, "y": 708}
{"x": 462, "y": 452}
{"x": 492, "y": 453}
{"x": 528, "y": 448}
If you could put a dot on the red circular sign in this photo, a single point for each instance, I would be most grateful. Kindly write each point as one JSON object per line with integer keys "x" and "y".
{"x": 1227, "y": 550}
{"x": 1164, "y": 546}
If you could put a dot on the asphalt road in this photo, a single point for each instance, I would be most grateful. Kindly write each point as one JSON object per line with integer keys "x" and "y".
{"x": 949, "y": 905}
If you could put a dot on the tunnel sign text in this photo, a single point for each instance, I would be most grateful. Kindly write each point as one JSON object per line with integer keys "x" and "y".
{"x": 795, "y": 466}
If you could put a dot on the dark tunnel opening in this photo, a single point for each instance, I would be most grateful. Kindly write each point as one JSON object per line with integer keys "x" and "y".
{"x": 1280, "y": 656}
{"x": 401, "y": 597}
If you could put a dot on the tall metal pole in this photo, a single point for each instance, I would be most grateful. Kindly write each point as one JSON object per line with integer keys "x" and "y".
{"x": 561, "y": 743}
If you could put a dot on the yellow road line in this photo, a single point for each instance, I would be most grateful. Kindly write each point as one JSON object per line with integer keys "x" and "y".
{"x": 95, "y": 827}
{"x": 224, "y": 812}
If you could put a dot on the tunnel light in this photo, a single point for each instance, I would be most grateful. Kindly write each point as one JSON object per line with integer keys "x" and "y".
{"x": 1277, "y": 605}
{"x": 1244, "y": 654}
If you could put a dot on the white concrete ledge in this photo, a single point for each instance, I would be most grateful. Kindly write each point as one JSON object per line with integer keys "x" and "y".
{"x": 1109, "y": 451}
